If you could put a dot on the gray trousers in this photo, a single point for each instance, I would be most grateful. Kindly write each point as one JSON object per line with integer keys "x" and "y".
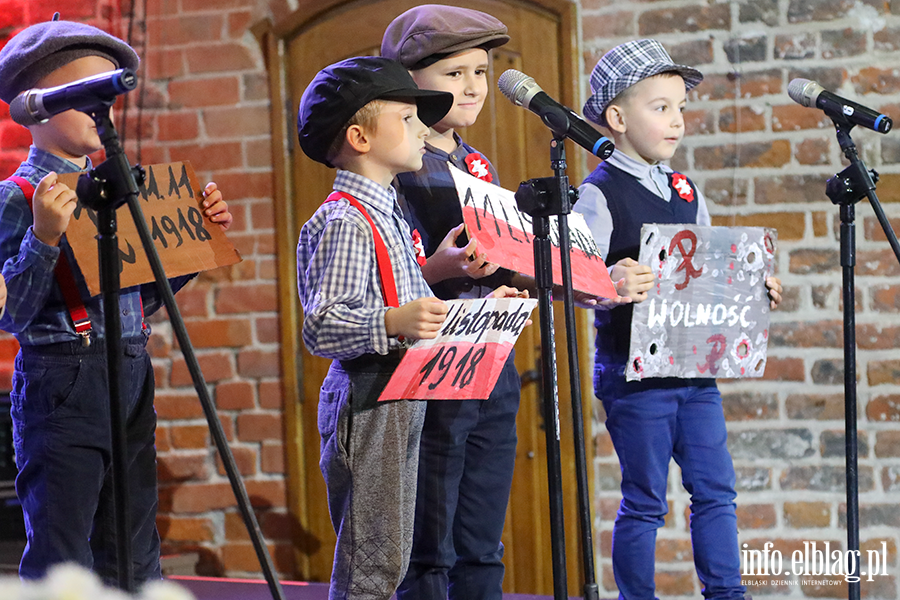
{"x": 369, "y": 459}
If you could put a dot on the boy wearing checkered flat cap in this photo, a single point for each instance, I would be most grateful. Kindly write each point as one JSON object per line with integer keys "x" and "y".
{"x": 362, "y": 305}
{"x": 60, "y": 403}
{"x": 639, "y": 94}
{"x": 468, "y": 447}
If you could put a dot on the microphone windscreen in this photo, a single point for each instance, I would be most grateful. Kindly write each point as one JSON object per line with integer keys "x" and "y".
{"x": 509, "y": 81}
{"x": 19, "y": 114}
{"x": 804, "y": 91}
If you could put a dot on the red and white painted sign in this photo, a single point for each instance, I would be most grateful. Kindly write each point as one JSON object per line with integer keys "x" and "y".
{"x": 505, "y": 234}
{"x": 464, "y": 361}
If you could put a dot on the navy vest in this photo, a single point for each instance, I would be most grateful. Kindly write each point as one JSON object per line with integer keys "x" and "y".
{"x": 631, "y": 205}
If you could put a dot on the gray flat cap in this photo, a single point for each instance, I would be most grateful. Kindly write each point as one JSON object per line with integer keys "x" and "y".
{"x": 425, "y": 34}
{"x": 40, "y": 49}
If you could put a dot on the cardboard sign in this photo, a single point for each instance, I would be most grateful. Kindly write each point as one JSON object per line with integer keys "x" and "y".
{"x": 464, "y": 361}
{"x": 505, "y": 234}
{"x": 708, "y": 315}
{"x": 186, "y": 240}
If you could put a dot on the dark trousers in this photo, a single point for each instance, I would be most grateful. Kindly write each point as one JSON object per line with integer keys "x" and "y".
{"x": 466, "y": 462}
{"x": 61, "y": 433}
{"x": 650, "y": 423}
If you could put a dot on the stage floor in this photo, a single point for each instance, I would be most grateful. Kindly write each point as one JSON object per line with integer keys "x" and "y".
{"x": 214, "y": 588}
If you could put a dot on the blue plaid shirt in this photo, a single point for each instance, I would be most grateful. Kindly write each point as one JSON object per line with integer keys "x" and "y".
{"x": 337, "y": 274}
{"x": 36, "y": 312}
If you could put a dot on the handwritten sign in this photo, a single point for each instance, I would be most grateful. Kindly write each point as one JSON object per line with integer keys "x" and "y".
{"x": 505, "y": 234}
{"x": 186, "y": 240}
{"x": 708, "y": 315}
{"x": 465, "y": 359}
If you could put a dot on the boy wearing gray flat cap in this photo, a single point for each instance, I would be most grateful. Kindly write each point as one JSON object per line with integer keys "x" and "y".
{"x": 60, "y": 400}
{"x": 639, "y": 94}
{"x": 467, "y": 453}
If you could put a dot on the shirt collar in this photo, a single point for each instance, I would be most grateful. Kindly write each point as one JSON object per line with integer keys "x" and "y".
{"x": 636, "y": 168}
{"x": 367, "y": 191}
{"x": 441, "y": 153}
{"x": 46, "y": 161}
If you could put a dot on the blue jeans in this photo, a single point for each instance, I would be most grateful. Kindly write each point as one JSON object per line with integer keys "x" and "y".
{"x": 651, "y": 422}
{"x": 61, "y": 433}
{"x": 466, "y": 462}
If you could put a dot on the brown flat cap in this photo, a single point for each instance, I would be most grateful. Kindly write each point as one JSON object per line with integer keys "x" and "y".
{"x": 427, "y": 33}
{"x": 37, "y": 51}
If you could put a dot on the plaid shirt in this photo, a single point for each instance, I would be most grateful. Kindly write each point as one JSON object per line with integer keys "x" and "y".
{"x": 36, "y": 312}
{"x": 337, "y": 275}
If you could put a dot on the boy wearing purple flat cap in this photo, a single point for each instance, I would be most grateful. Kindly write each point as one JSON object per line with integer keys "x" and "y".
{"x": 468, "y": 447}
{"x": 60, "y": 401}
{"x": 639, "y": 95}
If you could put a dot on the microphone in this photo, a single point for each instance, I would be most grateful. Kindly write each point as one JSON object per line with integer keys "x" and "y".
{"x": 38, "y": 105}
{"x": 523, "y": 91}
{"x": 811, "y": 94}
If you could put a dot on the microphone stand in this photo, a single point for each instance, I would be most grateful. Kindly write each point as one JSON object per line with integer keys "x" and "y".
{"x": 845, "y": 189}
{"x": 543, "y": 198}
{"x": 104, "y": 189}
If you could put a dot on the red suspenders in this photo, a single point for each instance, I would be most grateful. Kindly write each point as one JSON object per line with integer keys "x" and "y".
{"x": 383, "y": 260}
{"x": 64, "y": 276}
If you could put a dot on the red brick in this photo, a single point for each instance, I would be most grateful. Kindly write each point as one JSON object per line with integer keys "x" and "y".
{"x": 244, "y": 459}
{"x": 270, "y": 395}
{"x": 813, "y": 152}
{"x": 220, "y": 333}
{"x": 700, "y": 17}
{"x": 805, "y": 262}
{"x": 185, "y": 529}
{"x": 257, "y": 297}
{"x": 884, "y": 408}
{"x": 670, "y": 550}
{"x": 726, "y": 191}
{"x": 803, "y": 515}
{"x": 209, "y": 157}
{"x": 608, "y": 25}
{"x": 870, "y": 336}
{"x": 795, "y": 46}
{"x": 259, "y": 363}
{"x": 235, "y": 395}
{"x": 213, "y": 5}
{"x": 215, "y": 367}
{"x": 234, "y": 122}
{"x": 761, "y": 83}
{"x": 192, "y": 300}
{"x": 699, "y": 122}
{"x": 263, "y": 215}
{"x": 776, "y": 153}
{"x": 803, "y": 334}
{"x": 219, "y": 57}
{"x": 268, "y": 330}
{"x": 177, "y": 405}
{"x": 238, "y": 186}
{"x": 715, "y": 86}
{"x": 258, "y": 427}
{"x": 883, "y": 372}
{"x": 756, "y": 516}
{"x": 270, "y": 493}
{"x": 164, "y": 64}
{"x": 41, "y": 10}
{"x": 182, "y": 467}
{"x": 272, "y": 459}
{"x": 803, "y": 11}
{"x": 178, "y": 126}
{"x": 191, "y": 498}
{"x": 201, "y": 93}
{"x": 879, "y": 81}
{"x": 184, "y": 29}
{"x": 843, "y": 43}
{"x": 163, "y": 439}
{"x": 675, "y": 583}
{"x": 189, "y": 436}
{"x": 887, "y": 444}
{"x": 258, "y": 153}
{"x": 239, "y": 23}
{"x": 790, "y": 226}
{"x": 241, "y": 557}
{"x": 744, "y": 118}
{"x": 692, "y": 52}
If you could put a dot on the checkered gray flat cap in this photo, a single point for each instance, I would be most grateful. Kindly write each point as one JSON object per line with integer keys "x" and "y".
{"x": 624, "y": 66}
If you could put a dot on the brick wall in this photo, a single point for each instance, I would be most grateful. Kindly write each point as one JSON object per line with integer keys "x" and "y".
{"x": 761, "y": 159}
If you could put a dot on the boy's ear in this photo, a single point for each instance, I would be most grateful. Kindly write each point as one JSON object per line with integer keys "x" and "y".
{"x": 615, "y": 118}
{"x": 358, "y": 139}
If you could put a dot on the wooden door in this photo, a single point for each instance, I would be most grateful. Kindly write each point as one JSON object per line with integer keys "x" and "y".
{"x": 319, "y": 34}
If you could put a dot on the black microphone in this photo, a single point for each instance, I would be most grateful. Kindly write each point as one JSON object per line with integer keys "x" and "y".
{"x": 523, "y": 91}
{"x": 37, "y": 105}
{"x": 809, "y": 93}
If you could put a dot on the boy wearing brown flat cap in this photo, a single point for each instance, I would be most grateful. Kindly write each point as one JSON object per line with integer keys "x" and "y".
{"x": 468, "y": 447}
{"x": 361, "y": 305}
{"x": 60, "y": 403}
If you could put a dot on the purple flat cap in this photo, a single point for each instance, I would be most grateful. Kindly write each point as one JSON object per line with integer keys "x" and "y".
{"x": 40, "y": 49}
{"x": 624, "y": 66}
{"x": 427, "y": 33}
